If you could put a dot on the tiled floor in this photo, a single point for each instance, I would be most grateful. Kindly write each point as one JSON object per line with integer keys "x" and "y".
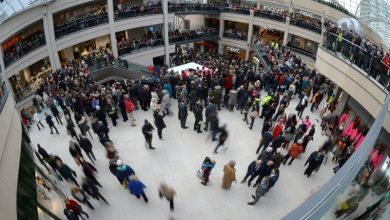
{"x": 176, "y": 160}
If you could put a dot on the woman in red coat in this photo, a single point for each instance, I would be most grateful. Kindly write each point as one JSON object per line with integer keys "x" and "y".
{"x": 75, "y": 207}
{"x": 278, "y": 128}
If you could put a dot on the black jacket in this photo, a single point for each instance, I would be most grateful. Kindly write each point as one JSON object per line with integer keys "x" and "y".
{"x": 85, "y": 144}
{"x": 198, "y": 112}
{"x": 159, "y": 121}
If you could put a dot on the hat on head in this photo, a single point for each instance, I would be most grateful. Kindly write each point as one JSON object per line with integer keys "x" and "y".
{"x": 119, "y": 163}
{"x": 300, "y": 141}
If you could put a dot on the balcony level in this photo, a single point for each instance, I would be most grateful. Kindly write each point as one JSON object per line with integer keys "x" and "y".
{"x": 354, "y": 81}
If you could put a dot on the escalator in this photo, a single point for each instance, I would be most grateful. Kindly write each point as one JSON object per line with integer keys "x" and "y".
{"x": 261, "y": 54}
{"x": 104, "y": 71}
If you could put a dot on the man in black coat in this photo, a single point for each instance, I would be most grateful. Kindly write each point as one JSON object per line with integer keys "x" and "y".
{"x": 101, "y": 115}
{"x": 86, "y": 145}
{"x": 159, "y": 122}
{"x": 49, "y": 121}
{"x": 147, "y": 131}
{"x": 277, "y": 142}
{"x": 210, "y": 109}
{"x": 183, "y": 112}
{"x": 252, "y": 168}
{"x": 315, "y": 160}
{"x": 198, "y": 113}
{"x": 265, "y": 140}
{"x": 214, "y": 125}
{"x": 265, "y": 170}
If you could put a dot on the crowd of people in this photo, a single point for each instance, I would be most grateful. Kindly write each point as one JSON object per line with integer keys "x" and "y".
{"x": 362, "y": 52}
{"x": 228, "y": 84}
{"x": 185, "y": 35}
{"x": 22, "y": 47}
{"x": 273, "y": 15}
{"x": 129, "y": 11}
{"x": 75, "y": 24}
{"x": 313, "y": 25}
{"x": 235, "y": 34}
{"x": 126, "y": 46}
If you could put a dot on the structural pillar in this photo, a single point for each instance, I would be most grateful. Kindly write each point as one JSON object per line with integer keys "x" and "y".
{"x": 48, "y": 23}
{"x": 342, "y": 101}
{"x": 258, "y": 4}
{"x": 166, "y": 35}
{"x": 250, "y": 33}
{"x": 221, "y": 30}
{"x": 111, "y": 22}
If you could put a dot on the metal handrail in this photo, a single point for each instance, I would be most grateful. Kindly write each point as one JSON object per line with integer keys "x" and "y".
{"x": 132, "y": 13}
{"x": 130, "y": 49}
{"x": 74, "y": 25}
{"x": 357, "y": 57}
{"x": 10, "y": 59}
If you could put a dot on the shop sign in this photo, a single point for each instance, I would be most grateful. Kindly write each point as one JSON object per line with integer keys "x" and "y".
{"x": 308, "y": 14}
{"x": 273, "y": 9}
{"x": 10, "y": 42}
{"x": 233, "y": 49}
{"x": 351, "y": 131}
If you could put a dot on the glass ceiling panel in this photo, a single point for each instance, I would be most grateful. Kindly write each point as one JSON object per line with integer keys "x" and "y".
{"x": 10, "y": 7}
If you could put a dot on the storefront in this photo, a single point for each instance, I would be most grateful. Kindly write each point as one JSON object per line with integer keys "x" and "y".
{"x": 85, "y": 48}
{"x": 307, "y": 20}
{"x": 207, "y": 46}
{"x": 234, "y": 52}
{"x": 302, "y": 45}
{"x": 275, "y": 8}
{"x": 28, "y": 80}
{"x": 268, "y": 35}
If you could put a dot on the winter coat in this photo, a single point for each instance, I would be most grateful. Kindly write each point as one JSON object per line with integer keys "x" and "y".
{"x": 147, "y": 130}
{"x": 183, "y": 112}
{"x": 229, "y": 175}
{"x": 262, "y": 188}
{"x": 159, "y": 121}
{"x": 267, "y": 138}
{"x": 76, "y": 151}
{"x": 136, "y": 187}
{"x": 124, "y": 172}
{"x": 217, "y": 95}
{"x": 65, "y": 171}
{"x": 295, "y": 150}
{"x": 129, "y": 105}
{"x": 167, "y": 192}
{"x": 252, "y": 167}
{"x": 214, "y": 122}
{"x": 198, "y": 112}
{"x": 233, "y": 97}
{"x": 277, "y": 158}
{"x": 85, "y": 144}
{"x": 273, "y": 178}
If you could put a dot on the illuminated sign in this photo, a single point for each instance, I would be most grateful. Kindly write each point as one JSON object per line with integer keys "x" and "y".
{"x": 351, "y": 131}
{"x": 273, "y": 9}
{"x": 10, "y": 42}
{"x": 233, "y": 49}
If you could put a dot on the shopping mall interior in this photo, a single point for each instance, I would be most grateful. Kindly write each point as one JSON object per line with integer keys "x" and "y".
{"x": 194, "y": 109}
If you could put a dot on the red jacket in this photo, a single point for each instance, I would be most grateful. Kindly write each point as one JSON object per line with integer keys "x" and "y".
{"x": 295, "y": 150}
{"x": 129, "y": 105}
{"x": 386, "y": 60}
{"x": 73, "y": 205}
{"x": 228, "y": 82}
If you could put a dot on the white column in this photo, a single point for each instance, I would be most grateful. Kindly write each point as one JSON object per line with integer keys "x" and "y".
{"x": 250, "y": 33}
{"x": 111, "y": 22}
{"x": 342, "y": 102}
{"x": 2, "y": 65}
{"x": 287, "y": 25}
{"x": 48, "y": 26}
{"x": 221, "y": 30}
{"x": 258, "y": 4}
{"x": 166, "y": 36}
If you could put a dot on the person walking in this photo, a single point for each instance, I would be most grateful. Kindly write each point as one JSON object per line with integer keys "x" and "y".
{"x": 295, "y": 150}
{"x": 159, "y": 123}
{"x": 277, "y": 158}
{"x": 55, "y": 113}
{"x": 37, "y": 119}
{"x": 66, "y": 172}
{"x": 136, "y": 188}
{"x": 261, "y": 190}
{"x": 315, "y": 160}
{"x": 183, "y": 112}
{"x": 70, "y": 215}
{"x": 101, "y": 115}
{"x": 147, "y": 131}
{"x": 273, "y": 178}
{"x": 198, "y": 113}
{"x": 90, "y": 188}
{"x": 49, "y": 121}
{"x": 123, "y": 172}
{"x": 229, "y": 175}
{"x": 168, "y": 193}
{"x": 130, "y": 109}
{"x": 265, "y": 170}
{"x": 90, "y": 172}
{"x": 265, "y": 140}
{"x": 207, "y": 166}
{"x": 75, "y": 207}
{"x": 81, "y": 197}
{"x": 222, "y": 137}
{"x": 86, "y": 145}
{"x": 214, "y": 125}
{"x": 252, "y": 168}
{"x": 71, "y": 131}
{"x": 75, "y": 151}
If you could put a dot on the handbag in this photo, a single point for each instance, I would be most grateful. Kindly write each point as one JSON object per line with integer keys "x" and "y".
{"x": 199, "y": 173}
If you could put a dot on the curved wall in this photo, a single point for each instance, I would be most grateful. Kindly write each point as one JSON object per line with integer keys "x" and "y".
{"x": 355, "y": 82}
{"x": 10, "y": 142}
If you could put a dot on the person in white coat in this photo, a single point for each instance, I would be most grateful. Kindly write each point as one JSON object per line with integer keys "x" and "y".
{"x": 37, "y": 119}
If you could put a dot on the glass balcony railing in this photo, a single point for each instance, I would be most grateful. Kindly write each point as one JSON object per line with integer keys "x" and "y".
{"x": 137, "y": 12}
{"x": 235, "y": 36}
{"x": 118, "y": 63}
{"x": 23, "y": 50}
{"x": 270, "y": 15}
{"x": 364, "y": 57}
{"x": 193, "y": 36}
{"x": 78, "y": 25}
{"x": 203, "y": 8}
{"x": 305, "y": 25}
{"x": 131, "y": 48}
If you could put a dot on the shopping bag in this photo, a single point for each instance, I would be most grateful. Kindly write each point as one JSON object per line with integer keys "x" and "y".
{"x": 199, "y": 173}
